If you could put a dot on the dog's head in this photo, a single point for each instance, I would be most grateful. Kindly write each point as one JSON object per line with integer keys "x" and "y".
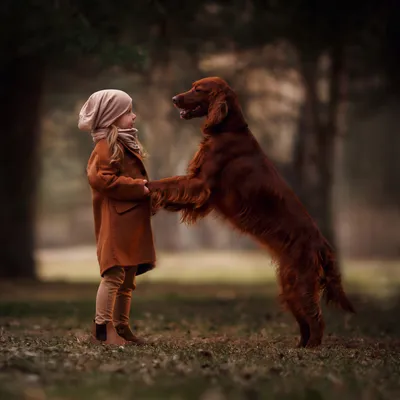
{"x": 211, "y": 97}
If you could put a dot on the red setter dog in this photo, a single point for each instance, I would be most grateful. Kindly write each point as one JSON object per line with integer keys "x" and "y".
{"x": 231, "y": 175}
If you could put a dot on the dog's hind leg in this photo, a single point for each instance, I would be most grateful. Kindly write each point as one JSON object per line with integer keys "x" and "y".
{"x": 309, "y": 301}
{"x": 303, "y": 325}
{"x": 289, "y": 299}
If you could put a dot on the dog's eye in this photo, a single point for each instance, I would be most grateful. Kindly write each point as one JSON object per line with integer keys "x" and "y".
{"x": 198, "y": 90}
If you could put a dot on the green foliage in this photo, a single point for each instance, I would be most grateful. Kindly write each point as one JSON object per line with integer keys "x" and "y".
{"x": 61, "y": 32}
{"x": 126, "y": 32}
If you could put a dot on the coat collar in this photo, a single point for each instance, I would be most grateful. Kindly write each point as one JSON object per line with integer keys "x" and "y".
{"x": 137, "y": 155}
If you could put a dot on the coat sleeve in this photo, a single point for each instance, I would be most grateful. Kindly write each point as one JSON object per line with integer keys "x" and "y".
{"x": 103, "y": 177}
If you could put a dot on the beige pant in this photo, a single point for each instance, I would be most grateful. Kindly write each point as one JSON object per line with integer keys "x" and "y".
{"x": 113, "y": 301}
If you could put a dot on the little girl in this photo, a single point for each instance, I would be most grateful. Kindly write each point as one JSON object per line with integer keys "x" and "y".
{"x": 122, "y": 211}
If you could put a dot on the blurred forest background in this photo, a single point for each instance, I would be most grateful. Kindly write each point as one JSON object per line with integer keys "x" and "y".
{"x": 318, "y": 82}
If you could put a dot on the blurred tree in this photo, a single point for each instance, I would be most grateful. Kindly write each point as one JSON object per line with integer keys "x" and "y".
{"x": 36, "y": 38}
{"x": 324, "y": 35}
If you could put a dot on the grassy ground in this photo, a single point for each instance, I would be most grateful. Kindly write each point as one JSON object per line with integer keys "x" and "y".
{"x": 210, "y": 342}
{"x": 217, "y": 335}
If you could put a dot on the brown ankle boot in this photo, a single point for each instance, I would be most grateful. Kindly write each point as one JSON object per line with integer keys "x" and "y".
{"x": 125, "y": 332}
{"x": 106, "y": 334}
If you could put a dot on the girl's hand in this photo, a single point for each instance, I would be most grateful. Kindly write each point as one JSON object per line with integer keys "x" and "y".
{"x": 145, "y": 188}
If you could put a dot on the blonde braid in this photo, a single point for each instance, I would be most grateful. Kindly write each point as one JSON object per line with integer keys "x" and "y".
{"x": 117, "y": 153}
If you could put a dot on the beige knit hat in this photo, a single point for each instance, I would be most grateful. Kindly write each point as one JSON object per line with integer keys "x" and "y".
{"x": 102, "y": 109}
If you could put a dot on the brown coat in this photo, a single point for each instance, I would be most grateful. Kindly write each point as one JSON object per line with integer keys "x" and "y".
{"x": 122, "y": 211}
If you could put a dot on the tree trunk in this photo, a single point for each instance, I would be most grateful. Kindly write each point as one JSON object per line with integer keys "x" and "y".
{"x": 20, "y": 94}
{"x": 326, "y": 155}
{"x": 306, "y": 146}
{"x": 316, "y": 158}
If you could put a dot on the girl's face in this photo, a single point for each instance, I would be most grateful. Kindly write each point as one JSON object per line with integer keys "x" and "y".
{"x": 127, "y": 120}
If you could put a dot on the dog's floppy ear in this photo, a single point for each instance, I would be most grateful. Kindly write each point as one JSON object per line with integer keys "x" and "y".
{"x": 217, "y": 111}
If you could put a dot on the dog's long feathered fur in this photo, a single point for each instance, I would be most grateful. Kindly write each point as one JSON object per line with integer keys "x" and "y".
{"x": 231, "y": 175}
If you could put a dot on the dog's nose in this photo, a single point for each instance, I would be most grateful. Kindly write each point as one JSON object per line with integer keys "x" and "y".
{"x": 175, "y": 99}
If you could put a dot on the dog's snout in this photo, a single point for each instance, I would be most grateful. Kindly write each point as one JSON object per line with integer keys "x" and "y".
{"x": 175, "y": 99}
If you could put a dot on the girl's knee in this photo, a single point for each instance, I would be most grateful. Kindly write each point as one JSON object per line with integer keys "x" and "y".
{"x": 130, "y": 278}
{"x": 115, "y": 275}
{"x": 129, "y": 284}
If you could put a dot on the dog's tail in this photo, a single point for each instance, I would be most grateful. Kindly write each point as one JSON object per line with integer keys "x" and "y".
{"x": 334, "y": 293}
